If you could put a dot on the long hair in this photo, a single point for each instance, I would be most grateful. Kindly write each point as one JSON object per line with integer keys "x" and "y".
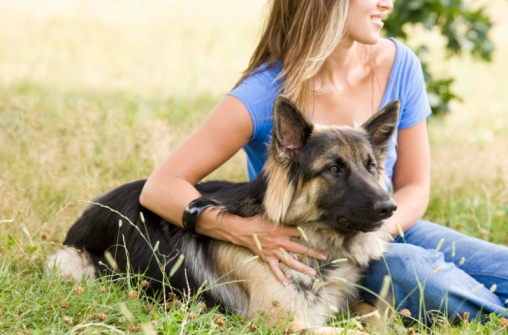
{"x": 299, "y": 34}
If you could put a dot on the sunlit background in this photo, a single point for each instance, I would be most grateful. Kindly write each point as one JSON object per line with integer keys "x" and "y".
{"x": 96, "y": 93}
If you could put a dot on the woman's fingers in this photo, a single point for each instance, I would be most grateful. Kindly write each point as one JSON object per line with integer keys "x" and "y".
{"x": 281, "y": 255}
{"x": 277, "y": 271}
{"x": 301, "y": 249}
{"x": 296, "y": 265}
{"x": 274, "y": 244}
{"x": 287, "y": 259}
{"x": 297, "y": 247}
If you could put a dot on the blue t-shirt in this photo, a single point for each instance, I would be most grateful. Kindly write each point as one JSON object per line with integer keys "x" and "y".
{"x": 258, "y": 93}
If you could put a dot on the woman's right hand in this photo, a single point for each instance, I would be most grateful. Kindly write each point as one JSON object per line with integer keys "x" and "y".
{"x": 274, "y": 240}
{"x": 171, "y": 187}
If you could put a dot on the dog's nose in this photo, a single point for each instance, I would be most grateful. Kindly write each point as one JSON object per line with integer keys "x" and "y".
{"x": 384, "y": 209}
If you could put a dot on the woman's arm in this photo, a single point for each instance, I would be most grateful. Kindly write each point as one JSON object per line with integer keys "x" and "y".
{"x": 170, "y": 188}
{"x": 411, "y": 177}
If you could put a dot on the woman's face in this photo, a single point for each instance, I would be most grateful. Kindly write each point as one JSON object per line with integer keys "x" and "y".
{"x": 365, "y": 19}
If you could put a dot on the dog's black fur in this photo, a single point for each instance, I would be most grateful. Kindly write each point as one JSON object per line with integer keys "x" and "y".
{"x": 333, "y": 178}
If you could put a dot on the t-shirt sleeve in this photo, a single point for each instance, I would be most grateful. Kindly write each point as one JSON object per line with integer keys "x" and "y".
{"x": 257, "y": 93}
{"x": 415, "y": 105}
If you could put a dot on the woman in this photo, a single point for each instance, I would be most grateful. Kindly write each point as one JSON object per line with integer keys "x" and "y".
{"x": 329, "y": 58}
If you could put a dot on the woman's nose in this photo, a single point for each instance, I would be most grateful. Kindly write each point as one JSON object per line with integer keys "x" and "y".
{"x": 386, "y": 4}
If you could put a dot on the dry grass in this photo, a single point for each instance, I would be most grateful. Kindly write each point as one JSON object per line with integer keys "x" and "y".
{"x": 469, "y": 147}
{"x": 97, "y": 93}
{"x": 151, "y": 48}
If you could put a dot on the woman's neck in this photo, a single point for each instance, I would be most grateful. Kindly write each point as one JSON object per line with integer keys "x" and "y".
{"x": 347, "y": 62}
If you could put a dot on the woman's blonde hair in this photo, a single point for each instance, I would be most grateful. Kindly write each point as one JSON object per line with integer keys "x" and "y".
{"x": 300, "y": 34}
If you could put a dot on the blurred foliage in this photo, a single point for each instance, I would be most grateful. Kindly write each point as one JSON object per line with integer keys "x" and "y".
{"x": 464, "y": 29}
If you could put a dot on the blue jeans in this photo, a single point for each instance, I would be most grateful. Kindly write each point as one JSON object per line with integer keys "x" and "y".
{"x": 465, "y": 275}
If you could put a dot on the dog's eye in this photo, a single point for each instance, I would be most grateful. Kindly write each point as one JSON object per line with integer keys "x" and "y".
{"x": 334, "y": 169}
{"x": 372, "y": 167}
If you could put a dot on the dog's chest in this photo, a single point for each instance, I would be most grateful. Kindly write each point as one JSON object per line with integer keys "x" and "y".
{"x": 332, "y": 289}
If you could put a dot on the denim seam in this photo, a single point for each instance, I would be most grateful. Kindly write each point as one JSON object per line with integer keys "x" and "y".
{"x": 485, "y": 274}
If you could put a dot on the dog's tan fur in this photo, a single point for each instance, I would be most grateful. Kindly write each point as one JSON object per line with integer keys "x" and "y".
{"x": 285, "y": 204}
{"x": 299, "y": 187}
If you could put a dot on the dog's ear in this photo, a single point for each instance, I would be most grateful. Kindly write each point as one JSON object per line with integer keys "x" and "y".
{"x": 290, "y": 130}
{"x": 381, "y": 126}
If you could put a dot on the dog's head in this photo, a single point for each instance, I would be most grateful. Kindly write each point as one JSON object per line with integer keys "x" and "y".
{"x": 334, "y": 175}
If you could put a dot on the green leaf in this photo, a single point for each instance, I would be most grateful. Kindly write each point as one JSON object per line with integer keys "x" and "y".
{"x": 465, "y": 30}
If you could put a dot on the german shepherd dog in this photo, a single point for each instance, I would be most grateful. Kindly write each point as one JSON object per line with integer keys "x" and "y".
{"x": 329, "y": 181}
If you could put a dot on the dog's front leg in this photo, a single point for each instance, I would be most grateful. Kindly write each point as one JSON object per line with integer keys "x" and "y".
{"x": 375, "y": 318}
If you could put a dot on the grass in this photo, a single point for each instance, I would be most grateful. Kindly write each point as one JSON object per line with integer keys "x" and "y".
{"x": 94, "y": 94}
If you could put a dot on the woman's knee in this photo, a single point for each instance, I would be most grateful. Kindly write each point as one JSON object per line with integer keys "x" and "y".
{"x": 423, "y": 282}
{"x": 405, "y": 264}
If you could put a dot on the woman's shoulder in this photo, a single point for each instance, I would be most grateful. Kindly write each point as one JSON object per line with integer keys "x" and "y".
{"x": 259, "y": 87}
{"x": 384, "y": 51}
{"x": 265, "y": 76}
{"x": 398, "y": 61}
{"x": 390, "y": 52}
{"x": 406, "y": 81}
{"x": 257, "y": 92}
